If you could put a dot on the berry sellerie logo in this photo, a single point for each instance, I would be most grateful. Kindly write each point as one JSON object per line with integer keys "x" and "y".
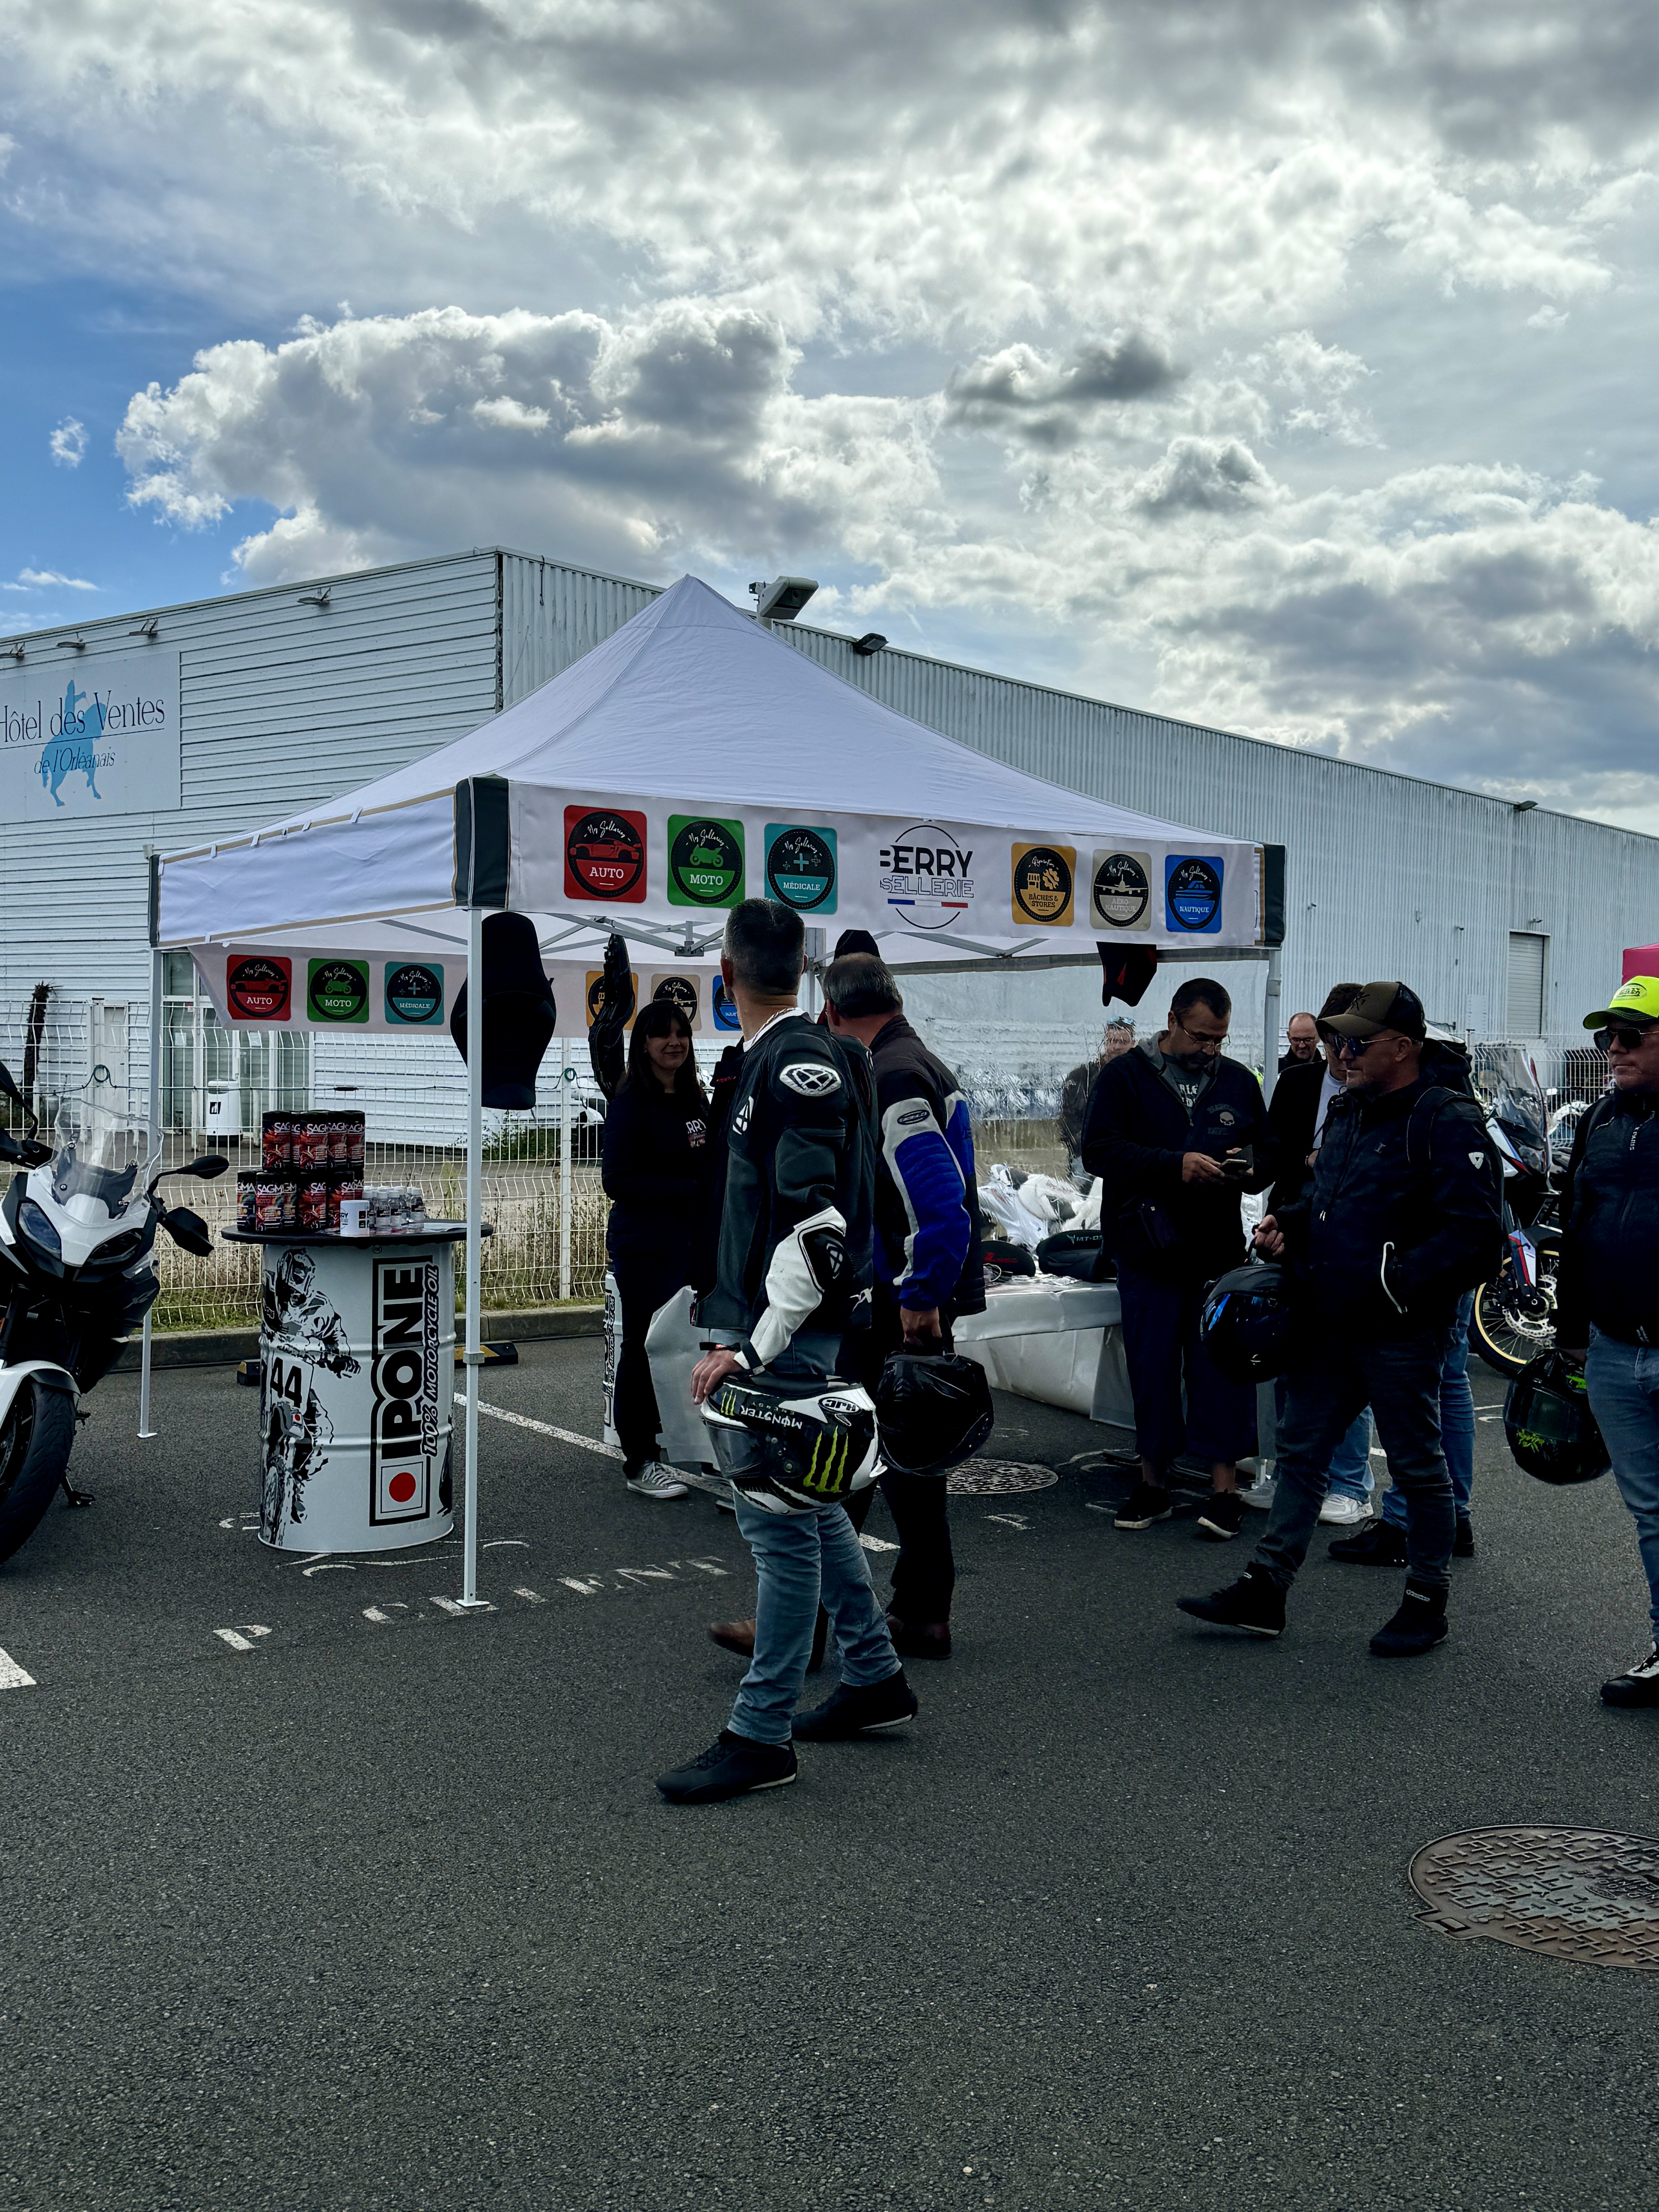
{"x": 925, "y": 877}
{"x": 604, "y": 854}
{"x": 258, "y": 990}
{"x": 402, "y": 1445}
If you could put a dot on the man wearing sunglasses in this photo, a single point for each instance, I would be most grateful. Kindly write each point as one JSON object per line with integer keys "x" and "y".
{"x": 1607, "y": 1285}
{"x": 1404, "y": 1215}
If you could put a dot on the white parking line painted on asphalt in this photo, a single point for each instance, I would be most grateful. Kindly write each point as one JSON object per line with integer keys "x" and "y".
{"x": 587, "y": 1588}
{"x": 547, "y": 1429}
{"x": 14, "y": 1677}
{"x": 457, "y": 1610}
{"x": 530, "y": 1597}
{"x": 241, "y": 1639}
{"x": 1008, "y": 1520}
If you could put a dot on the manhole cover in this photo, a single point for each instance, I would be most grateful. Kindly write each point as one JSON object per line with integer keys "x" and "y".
{"x": 996, "y": 1478}
{"x": 1569, "y": 1892}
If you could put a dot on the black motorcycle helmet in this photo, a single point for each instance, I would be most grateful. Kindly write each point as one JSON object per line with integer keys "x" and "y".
{"x": 933, "y": 1411}
{"x": 1246, "y": 1323}
{"x": 1552, "y": 1432}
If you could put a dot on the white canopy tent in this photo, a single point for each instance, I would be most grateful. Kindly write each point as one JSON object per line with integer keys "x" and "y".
{"x": 691, "y": 760}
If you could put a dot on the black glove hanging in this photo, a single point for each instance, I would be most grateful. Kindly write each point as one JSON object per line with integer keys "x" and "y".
{"x": 1126, "y": 972}
{"x": 519, "y": 1011}
{"x": 614, "y": 1007}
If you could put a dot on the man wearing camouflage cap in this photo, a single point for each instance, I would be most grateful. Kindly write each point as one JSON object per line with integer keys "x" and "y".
{"x": 1607, "y": 1286}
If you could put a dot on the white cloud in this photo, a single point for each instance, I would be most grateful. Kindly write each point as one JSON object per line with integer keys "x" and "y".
{"x": 41, "y": 579}
{"x": 69, "y": 443}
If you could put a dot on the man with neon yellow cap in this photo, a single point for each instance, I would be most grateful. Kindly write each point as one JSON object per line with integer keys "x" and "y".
{"x": 1607, "y": 1287}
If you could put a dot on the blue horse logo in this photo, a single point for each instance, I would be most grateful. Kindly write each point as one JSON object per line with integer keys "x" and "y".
{"x": 76, "y": 753}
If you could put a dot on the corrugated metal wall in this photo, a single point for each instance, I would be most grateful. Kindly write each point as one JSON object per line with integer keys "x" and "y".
{"x": 552, "y": 615}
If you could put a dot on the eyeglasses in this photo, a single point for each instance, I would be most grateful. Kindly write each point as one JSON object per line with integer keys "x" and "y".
{"x": 1353, "y": 1047}
{"x": 1629, "y": 1040}
{"x": 1201, "y": 1043}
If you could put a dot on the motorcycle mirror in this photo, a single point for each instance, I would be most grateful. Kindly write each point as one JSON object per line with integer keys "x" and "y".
{"x": 209, "y": 1165}
{"x": 188, "y": 1229}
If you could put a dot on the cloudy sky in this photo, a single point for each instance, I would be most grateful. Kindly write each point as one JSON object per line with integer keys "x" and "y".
{"x": 1283, "y": 367}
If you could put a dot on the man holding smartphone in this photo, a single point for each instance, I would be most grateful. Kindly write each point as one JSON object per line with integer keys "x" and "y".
{"x": 1177, "y": 1132}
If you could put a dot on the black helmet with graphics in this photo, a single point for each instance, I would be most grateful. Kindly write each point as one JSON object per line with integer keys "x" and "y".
{"x": 1551, "y": 1432}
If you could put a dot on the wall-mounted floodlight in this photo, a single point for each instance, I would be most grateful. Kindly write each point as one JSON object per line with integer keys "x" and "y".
{"x": 1523, "y": 805}
{"x": 12, "y": 652}
{"x": 318, "y": 599}
{"x": 146, "y": 629}
{"x": 782, "y": 599}
{"x": 871, "y": 642}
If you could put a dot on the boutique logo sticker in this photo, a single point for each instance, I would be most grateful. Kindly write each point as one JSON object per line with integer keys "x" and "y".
{"x": 414, "y": 992}
{"x": 1192, "y": 892}
{"x": 604, "y": 854}
{"x": 596, "y": 992}
{"x": 259, "y": 989}
{"x": 925, "y": 876}
{"x": 800, "y": 866}
{"x": 1121, "y": 891}
{"x": 721, "y": 1007}
{"x": 337, "y": 991}
{"x": 705, "y": 861}
{"x": 1044, "y": 881}
{"x": 679, "y": 991}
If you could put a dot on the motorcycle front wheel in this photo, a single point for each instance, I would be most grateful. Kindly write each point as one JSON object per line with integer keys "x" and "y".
{"x": 1508, "y": 1328}
{"x": 35, "y": 1436}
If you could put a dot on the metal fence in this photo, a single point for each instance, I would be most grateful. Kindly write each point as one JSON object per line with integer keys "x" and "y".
{"x": 542, "y": 1191}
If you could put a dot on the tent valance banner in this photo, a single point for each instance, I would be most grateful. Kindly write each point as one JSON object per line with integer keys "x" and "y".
{"x": 693, "y": 760}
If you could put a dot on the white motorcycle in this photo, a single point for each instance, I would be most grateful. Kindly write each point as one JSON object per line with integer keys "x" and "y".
{"x": 77, "y": 1272}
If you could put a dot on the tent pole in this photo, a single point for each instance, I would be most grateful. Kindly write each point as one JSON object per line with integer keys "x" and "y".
{"x": 145, "y": 1428}
{"x": 474, "y": 1238}
{"x": 1270, "y": 1013}
{"x": 565, "y": 1181}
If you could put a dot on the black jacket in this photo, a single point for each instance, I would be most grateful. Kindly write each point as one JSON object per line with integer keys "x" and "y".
{"x": 657, "y": 1162}
{"x": 1135, "y": 1135}
{"x": 929, "y": 1248}
{"x": 1075, "y": 1105}
{"x": 1610, "y": 1225}
{"x": 796, "y": 1179}
{"x": 1292, "y": 1112}
{"x": 1387, "y": 1244}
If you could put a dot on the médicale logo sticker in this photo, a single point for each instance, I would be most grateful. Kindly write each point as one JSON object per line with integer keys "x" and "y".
{"x": 800, "y": 866}
{"x": 1192, "y": 892}
{"x": 925, "y": 876}
{"x": 259, "y": 989}
{"x": 705, "y": 861}
{"x": 604, "y": 853}
{"x": 414, "y": 992}
{"x": 1121, "y": 891}
{"x": 1044, "y": 878}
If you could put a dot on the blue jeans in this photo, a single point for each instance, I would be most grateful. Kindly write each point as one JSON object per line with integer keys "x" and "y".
{"x": 1401, "y": 1383}
{"x": 1350, "y": 1469}
{"x": 798, "y": 1558}
{"x": 1624, "y": 1395}
{"x": 1456, "y": 1424}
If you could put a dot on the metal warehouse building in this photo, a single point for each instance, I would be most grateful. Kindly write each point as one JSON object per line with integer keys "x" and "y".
{"x": 1509, "y": 922}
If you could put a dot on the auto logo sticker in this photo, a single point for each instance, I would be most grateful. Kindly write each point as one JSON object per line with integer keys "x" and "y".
{"x": 596, "y": 993}
{"x": 679, "y": 991}
{"x": 721, "y": 1008}
{"x": 1191, "y": 892}
{"x": 604, "y": 854}
{"x": 1044, "y": 880}
{"x": 800, "y": 866}
{"x": 926, "y": 877}
{"x": 337, "y": 990}
{"x": 1121, "y": 891}
{"x": 414, "y": 992}
{"x": 258, "y": 988}
{"x": 705, "y": 861}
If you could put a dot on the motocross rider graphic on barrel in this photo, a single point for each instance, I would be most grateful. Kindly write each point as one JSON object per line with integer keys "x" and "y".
{"x": 302, "y": 1332}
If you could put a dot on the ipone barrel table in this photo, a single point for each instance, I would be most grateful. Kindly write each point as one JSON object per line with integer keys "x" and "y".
{"x": 357, "y": 1350}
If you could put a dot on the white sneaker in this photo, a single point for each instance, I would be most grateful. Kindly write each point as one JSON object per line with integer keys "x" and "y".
{"x": 1344, "y": 1512}
{"x": 1261, "y": 1493}
{"x": 654, "y": 1479}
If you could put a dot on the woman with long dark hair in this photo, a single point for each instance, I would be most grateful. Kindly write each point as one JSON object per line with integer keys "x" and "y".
{"x": 657, "y": 1156}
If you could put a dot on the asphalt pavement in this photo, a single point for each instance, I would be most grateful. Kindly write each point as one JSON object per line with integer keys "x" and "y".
{"x": 377, "y": 1907}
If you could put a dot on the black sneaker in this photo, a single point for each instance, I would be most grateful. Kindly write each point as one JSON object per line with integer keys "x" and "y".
{"x": 1145, "y": 1503}
{"x": 1636, "y": 1685}
{"x": 1463, "y": 1541}
{"x": 1223, "y": 1515}
{"x": 1255, "y": 1603}
{"x": 1418, "y": 1627}
{"x": 1381, "y": 1545}
{"x": 729, "y": 1768}
{"x": 849, "y": 1712}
